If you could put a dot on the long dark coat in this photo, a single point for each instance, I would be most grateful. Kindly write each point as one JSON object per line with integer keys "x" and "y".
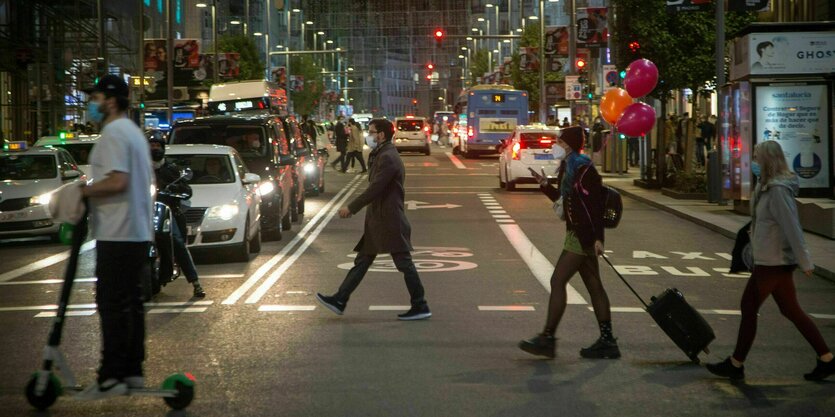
{"x": 386, "y": 228}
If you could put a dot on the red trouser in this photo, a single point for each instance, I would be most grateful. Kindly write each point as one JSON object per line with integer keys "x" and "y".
{"x": 776, "y": 281}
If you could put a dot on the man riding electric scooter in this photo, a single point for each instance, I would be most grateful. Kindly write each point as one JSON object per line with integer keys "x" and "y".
{"x": 166, "y": 174}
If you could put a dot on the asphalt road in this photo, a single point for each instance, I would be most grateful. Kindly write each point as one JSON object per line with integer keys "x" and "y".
{"x": 259, "y": 345}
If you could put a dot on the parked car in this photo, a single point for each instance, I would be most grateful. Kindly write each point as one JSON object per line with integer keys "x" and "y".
{"x": 261, "y": 142}
{"x": 225, "y": 212}
{"x": 528, "y": 147}
{"x": 411, "y": 134}
{"x": 28, "y": 177}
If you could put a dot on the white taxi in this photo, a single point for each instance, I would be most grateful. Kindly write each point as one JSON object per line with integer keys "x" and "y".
{"x": 79, "y": 146}
{"x": 28, "y": 177}
{"x": 225, "y": 212}
{"x": 528, "y": 148}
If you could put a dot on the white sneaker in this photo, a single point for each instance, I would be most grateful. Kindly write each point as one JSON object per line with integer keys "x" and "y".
{"x": 134, "y": 382}
{"x": 110, "y": 388}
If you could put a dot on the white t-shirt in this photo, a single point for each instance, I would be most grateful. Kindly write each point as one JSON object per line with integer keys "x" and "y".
{"x": 127, "y": 216}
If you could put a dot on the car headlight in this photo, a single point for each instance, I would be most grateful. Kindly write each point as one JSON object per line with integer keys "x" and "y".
{"x": 309, "y": 168}
{"x": 224, "y": 212}
{"x": 40, "y": 200}
{"x": 266, "y": 188}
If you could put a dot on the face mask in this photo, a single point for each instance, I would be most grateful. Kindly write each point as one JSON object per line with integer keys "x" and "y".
{"x": 157, "y": 154}
{"x": 558, "y": 151}
{"x": 755, "y": 168}
{"x": 371, "y": 141}
{"x": 93, "y": 112}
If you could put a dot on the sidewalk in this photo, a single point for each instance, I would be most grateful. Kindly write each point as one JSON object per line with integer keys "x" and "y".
{"x": 720, "y": 219}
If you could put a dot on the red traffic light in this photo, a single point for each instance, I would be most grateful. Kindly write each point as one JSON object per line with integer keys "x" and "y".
{"x": 634, "y": 46}
{"x": 581, "y": 64}
{"x": 430, "y": 66}
{"x": 414, "y": 101}
{"x": 428, "y": 76}
{"x": 439, "y": 34}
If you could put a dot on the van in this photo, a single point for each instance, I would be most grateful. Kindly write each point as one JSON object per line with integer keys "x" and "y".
{"x": 256, "y": 96}
{"x": 411, "y": 134}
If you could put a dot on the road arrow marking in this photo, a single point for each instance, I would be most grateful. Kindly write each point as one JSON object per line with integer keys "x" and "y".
{"x": 414, "y": 205}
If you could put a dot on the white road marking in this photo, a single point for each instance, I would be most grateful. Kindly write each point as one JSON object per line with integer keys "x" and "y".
{"x": 278, "y": 273}
{"x": 722, "y": 312}
{"x": 43, "y": 263}
{"x": 506, "y": 308}
{"x": 497, "y": 212}
{"x": 501, "y": 216}
{"x": 415, "y": 205}
{"x": 623, "y": 309}
{"x": 267, "y": 266}
{"x": 389, "y": 308}
{"x": 81, "y": 313}
{"x": 223, "y": 276}
{"x": 177, "y": 310}
{"x": 47, "y": 307}
{"x": 47, "y": 281}
{"x": 268, "y": 307}
{"x": 181, "y": 304}
{"x": 823, "y": 316}
{"x": 505, "y": 221}
{"x": 536, "y": 261}
{"x": 455, "y": 161}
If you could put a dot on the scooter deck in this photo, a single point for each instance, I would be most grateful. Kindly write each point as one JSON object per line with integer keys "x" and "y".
{"x": 132, "y": 392}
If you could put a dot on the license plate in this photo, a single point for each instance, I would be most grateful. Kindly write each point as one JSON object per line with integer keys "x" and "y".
{"x": 543, "y": 156}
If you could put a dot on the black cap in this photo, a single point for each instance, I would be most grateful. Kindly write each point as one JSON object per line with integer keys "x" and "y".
{"x": 110, "y": 85}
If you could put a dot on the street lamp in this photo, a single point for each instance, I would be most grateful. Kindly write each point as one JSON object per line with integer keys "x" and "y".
{"x": 214, "y": 38}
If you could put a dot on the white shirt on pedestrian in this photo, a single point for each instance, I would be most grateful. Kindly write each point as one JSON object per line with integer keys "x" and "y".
{"x": 127, "y": 216}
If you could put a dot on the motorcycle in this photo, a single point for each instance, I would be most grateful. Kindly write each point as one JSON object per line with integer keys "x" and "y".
{"x": 161, "y": 253}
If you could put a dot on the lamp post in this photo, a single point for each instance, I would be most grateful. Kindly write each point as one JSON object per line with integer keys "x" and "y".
{"x": 543, "y": 109}
{"x": 214, "y": 39}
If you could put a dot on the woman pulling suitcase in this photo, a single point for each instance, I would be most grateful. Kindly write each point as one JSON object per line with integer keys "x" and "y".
{"x": 580, "y": 189}
{"x": 778, "y": 249}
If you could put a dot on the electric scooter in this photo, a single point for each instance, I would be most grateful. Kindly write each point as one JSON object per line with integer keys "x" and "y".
{"x": 45, "y": 385}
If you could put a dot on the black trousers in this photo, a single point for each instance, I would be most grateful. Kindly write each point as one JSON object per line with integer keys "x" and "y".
{"x": 120, "y": 267}
{"x": 350, "y": 159}
{"x": 404, "y": 264}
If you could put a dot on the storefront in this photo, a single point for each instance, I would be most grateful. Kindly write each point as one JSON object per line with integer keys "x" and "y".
{"x": 781, "y": 89}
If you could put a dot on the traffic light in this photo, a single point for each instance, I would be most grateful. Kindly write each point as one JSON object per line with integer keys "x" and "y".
{"x": 439, "y": 36}
{"x": 580, "y": 64}
{"x": 414, "y": 101}
{"x": 430, "y": 66}
{"x": 634, "y": 46}
{"x": 622, "y": 74}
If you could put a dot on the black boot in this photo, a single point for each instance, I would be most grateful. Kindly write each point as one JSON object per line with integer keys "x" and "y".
{"x": 601, "y": 349}
{"x": 727, "y": 369}
{"x": 540, "y": 345}
{"x": 822, "y": 371}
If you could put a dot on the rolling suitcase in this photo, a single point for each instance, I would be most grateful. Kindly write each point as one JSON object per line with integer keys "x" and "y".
{"x": 679, "y": 320}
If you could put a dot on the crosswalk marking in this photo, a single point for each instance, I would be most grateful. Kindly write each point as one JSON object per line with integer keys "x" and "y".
{"x": 46, "y": 314}
{"x": 388, "y": 308}
{"x": 268, "y": 307}
{"x": 506, "y": 308}
{"x": 177, "y": 310}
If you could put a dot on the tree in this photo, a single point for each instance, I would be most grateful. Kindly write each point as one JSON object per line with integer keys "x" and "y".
{"x": 479, "y": 65}
{"x": 305, "y": 101}
{"x": 682, "y": 46}
{"x": 529, "y": 81}
{"x": 250, "y": 63}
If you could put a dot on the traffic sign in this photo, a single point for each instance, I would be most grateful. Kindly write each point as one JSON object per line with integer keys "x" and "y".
{"x": 610, "y": 77}
{"x": 573, "y": 88}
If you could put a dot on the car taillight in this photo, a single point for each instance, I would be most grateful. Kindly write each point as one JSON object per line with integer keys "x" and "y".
{"x": 545, "y": 140}
{"x": 517, "y": 146}
{"x": 470, "y": 131}
{"x": 426, "y": 129}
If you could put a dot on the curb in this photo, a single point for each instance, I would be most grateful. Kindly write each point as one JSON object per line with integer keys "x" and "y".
{"x": 824, "y": 273}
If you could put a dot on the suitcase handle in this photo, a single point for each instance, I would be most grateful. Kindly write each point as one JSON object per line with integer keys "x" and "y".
{"x": 625, "y": 282}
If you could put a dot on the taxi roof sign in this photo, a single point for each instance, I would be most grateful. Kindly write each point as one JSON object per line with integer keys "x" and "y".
{"x": 18, "y": 146}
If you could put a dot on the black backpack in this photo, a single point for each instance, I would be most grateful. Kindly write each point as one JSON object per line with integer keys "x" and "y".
{"x": 612, "y": 207}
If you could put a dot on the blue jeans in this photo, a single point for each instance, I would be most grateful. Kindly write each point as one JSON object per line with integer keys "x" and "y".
{"x": 404, "y": 264}
{"x": 181, "y": 253}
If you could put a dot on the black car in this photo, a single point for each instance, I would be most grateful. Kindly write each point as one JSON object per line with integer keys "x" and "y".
{"x": 262, "y": 143}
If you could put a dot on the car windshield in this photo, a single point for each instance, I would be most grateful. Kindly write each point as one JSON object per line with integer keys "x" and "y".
{"x": 208, "y": 169}
{"x": 80, "y": 152}
{"x": 249, "y": 141}
{"x": 27, "y": 167}
{"x": 409, "y": 125}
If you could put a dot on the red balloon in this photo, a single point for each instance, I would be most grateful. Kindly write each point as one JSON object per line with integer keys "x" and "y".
{"x": 641, "y": 78}
{"x": 637, "y": 119}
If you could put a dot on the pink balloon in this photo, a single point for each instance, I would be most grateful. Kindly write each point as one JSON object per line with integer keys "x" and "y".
{"x": 641, "y": 78}
{"x": 637, "y": 119}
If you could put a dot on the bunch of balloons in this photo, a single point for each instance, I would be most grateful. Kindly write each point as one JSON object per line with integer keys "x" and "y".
{"x": 617, "y": 106}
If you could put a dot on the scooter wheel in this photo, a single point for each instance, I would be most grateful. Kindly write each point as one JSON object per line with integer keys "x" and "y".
{"x": 184, "y": 385}
{"x": 50, "y": 394}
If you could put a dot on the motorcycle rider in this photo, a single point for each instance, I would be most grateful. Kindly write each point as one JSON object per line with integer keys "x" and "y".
{"x": 166, "y": 173}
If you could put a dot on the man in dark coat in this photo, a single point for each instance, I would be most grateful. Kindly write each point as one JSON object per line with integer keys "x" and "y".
{"x": 341, "y": 143}
{"x": 386, "y": 228}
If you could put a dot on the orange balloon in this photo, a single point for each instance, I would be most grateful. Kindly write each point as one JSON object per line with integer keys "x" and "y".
{"x": 613, "y": 103}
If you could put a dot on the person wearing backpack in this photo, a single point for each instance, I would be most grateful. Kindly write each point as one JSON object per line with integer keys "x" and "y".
{"x": 581, "y": 193}
{"x": 778, "y": 249}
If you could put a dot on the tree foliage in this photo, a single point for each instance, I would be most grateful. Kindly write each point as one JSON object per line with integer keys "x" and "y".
{"x": 305, "y": 101}
{"x": 529, "y": 81}
{"x": 682, "y": 44}
{"x": 250, "y": 63}
{"x": 479, "y": 65}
